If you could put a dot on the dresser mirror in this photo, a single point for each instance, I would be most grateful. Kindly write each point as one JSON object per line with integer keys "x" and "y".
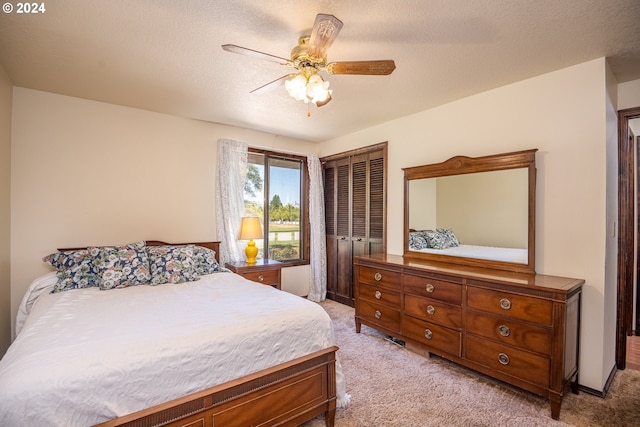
{"x": 477, "y": 211}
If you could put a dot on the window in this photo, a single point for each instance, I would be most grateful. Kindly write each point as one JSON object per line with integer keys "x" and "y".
{"x": 275, "y": 191}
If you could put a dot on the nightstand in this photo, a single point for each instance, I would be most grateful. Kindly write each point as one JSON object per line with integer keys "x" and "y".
{"x": 265, "y": 271}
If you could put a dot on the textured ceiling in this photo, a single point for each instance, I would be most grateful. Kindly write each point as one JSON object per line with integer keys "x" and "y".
{"x": 165, "y": 55}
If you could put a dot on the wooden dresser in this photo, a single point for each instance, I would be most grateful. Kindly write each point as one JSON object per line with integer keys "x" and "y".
{"x": 519, "y": 328}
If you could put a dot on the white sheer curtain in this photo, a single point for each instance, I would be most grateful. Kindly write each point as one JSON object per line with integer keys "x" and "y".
{"x": 318, "y": 276}
{"x": 231, "y": 174}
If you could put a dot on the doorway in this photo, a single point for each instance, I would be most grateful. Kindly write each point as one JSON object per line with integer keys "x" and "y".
{"x": 626, "y": 303}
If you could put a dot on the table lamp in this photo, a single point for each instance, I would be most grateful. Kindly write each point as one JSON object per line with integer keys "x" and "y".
{"x": 250, "y": 229}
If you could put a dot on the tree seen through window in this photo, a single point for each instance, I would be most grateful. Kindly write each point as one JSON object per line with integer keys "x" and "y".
{"x": 272, "y": 192}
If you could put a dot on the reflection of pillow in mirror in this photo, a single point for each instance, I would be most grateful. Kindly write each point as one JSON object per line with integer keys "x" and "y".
{"x": 417, "y": 241}
{"x": 449, "y": 236}
{"x": 435, "y": 240}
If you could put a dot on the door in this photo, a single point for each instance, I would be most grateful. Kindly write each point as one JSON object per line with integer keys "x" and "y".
{"x": 337, "y": 184}
{"x": 626, "y": 240}
{"x": 355, "y": 215}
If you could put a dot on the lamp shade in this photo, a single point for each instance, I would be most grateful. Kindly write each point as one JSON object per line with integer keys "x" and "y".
{"x": 250, "y": 229}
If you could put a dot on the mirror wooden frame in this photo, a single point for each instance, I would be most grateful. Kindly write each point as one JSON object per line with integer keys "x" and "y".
{"x": 459, "y": 165}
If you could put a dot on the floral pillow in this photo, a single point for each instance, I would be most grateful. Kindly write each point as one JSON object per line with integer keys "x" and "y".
{"x": 204, "y": 260}
{"x": 172, "y": 264}
{"x": 436, "y": 240}
{"x": 418, "y": 240}
{"x": 74, "y": 270}
{"x": 121, "y": 266}
{"x": 450, "y": 238}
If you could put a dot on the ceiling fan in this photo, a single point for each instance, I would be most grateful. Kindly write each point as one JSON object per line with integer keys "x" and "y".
{"x": 309, "y": 57}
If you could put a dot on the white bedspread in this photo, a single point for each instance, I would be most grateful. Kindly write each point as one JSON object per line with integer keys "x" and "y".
{"x": 483, "y": 252}
{"x": 85, "y": 356}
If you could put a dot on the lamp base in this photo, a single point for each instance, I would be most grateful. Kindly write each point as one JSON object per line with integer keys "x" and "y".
{"x": 251, "y": 251}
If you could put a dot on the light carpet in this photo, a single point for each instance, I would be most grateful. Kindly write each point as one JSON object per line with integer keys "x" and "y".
{"x": 392, "y": 386}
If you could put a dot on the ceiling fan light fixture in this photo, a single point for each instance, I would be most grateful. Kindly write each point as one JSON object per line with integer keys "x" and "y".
{"x": 325, "y": 101}
{"x": 309, "y": 57}
{"x": 308, "y": 86}
{"x": 317, "y": 89}
{"x": 296, "y": 86}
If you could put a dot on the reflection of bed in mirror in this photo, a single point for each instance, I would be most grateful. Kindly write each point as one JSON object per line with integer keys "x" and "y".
{"x": 490, "y": 253}
{"x": 487, "y": 202}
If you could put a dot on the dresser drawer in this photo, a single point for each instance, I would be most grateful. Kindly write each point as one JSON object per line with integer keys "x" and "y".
{"x": 432, "y": 335}
{"x": 507, "y": 331}
{"x": 531, "y": 309}
{"x": 433, "y": 311}
{"x": 266, "y": 277}
{"x": 380, "y": 277}
{"x": 508, "y": 360}
{"x": 433, "y": 288}
{"x": 379, "y": 314}
{"x": 378, "y": 293}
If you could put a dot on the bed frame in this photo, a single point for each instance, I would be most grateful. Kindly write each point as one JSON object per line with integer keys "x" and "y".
{"x": 287, "y": 394}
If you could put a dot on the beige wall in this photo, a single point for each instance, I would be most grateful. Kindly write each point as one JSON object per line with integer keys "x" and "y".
{"x": 563, "y": 115}
{"x": 628, "y": 95}
{"x": 609, "y": 322}
{"x": 6, "y": 89}
{"x": 86, "y": 172}
{"x": 486, "y": 209}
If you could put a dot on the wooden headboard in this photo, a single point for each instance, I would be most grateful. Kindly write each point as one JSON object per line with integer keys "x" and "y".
{"x": 215, "y": 246}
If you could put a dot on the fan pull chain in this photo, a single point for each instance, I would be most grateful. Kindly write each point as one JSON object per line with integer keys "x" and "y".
{"x": 308, "y": 109}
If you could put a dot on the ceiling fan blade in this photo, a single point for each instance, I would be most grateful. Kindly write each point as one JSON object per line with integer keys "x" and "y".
{"x": 325, "y": 30}
{"x": 271, "y": 85}
{"x": 255, "y": 54}
{"x": 378, "y": 68}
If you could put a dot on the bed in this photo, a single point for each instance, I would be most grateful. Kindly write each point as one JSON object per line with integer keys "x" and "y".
{"x": 220, "y": 350}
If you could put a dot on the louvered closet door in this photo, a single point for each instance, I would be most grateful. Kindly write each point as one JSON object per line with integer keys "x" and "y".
{"x": 330, "y": 195}
{"x": 377, "y": 197}
{"x": 368, "y": 198}
{"x": 336, "y": 198}
{"x": 359, "y": 205}
{"x": 344, "y": 293}
{"x": 354, "y": 189}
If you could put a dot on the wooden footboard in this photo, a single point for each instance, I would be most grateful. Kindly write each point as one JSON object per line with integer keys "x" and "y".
{"x": 284, "y": 395}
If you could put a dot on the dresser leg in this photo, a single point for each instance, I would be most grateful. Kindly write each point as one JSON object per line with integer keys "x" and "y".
{"x": 330, "y": 417}
{"x": 556, "y": 402}
{"x": 358, "y": 326}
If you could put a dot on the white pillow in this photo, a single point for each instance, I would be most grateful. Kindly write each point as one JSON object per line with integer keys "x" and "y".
{"x": 42, "y": 284}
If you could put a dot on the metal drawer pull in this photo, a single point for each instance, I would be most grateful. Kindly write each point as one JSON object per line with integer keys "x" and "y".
{"x": 431, "y": 309}
{"x": 261, "y": 277}
{"x": 378, "y": 277}
{"x": 429, "y": 288}
{"x": 378, "y": 315}
{"x": 428, "y": 334}
{"x": 378, "y": 295}
{"x": 504, "y": 330}
{"x": 505, "y": 304}
{"x": 503, "y": 358}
